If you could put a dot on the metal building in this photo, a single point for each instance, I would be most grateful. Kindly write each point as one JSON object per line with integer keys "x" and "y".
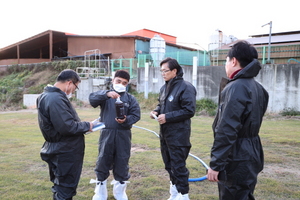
{"x": 54, "y": 45}
{"x": 284, "y": 48}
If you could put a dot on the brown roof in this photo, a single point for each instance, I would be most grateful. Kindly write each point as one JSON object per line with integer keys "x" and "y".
{"x": 40, "y": 35}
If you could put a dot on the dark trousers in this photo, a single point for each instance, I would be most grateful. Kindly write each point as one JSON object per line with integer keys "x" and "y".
{"x": 235, "y": 192}
{"x": 174, "y": 158}
{"x": 64, "y": 171}
{"x": 114, "y": 154}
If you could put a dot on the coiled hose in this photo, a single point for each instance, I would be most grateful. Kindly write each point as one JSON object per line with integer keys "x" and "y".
{"x": 198, "y": 159}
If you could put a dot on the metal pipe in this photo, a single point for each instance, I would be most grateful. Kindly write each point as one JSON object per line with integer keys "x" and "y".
{"x": 269, "y": 46}
{"x": 146, "y": 87}
{"x": 195, "y": 61}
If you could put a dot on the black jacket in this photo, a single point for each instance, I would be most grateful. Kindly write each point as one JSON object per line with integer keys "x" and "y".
{"x": 108, "y": 111}
{"x": 59, "y": 122}
{"x": 177, "y": 100}
{"x": 242, "y": 105}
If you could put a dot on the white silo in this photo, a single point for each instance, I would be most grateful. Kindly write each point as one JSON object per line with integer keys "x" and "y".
{"x": 216, "y": 40}
{"x": 157, "y": 49}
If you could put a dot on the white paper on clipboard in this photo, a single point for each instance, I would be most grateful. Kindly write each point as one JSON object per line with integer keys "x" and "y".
{"x": 97, "y": 125}
{"x": 155, "y": 117}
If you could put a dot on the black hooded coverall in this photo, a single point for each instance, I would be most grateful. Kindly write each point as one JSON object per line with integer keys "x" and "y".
{"x": 115, "y": 138}
{"x": 177, "y": 100}
{"x": 237, "y": 152}
{"x": 63, "y": 149}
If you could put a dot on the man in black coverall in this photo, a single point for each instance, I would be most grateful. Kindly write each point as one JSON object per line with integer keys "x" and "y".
{"x": 115, "y": 138}
{"x": 176, "y": 107}
{"x": 63, "y": 131}
{"x": 237, "y": 154}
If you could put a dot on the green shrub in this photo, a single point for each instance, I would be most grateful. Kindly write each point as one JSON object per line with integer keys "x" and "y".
{"x": 203, "y": 106}
{"x": 18, "y": 80}
{"x": 146, "y": 104}
{"x": 289, "y": 112}
{"x": 206, "y": 106}
{"x": 14, "y": 96}
{"x": 36, "y": 89}
{"x": 68, "y": 64}
{"x": 12, "y": 86}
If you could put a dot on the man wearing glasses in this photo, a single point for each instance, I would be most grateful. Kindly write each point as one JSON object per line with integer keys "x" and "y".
{"x": 63, "y": 131}
{"x": 176, "y": 107}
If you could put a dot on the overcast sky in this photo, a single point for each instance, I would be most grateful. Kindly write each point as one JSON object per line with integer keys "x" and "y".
{"x": 191, "y": 21}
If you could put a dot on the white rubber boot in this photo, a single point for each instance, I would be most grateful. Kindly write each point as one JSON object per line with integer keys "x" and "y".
{"x": 173, "y": 191}
{"x": 119, "y": 190}
{"x": 100, "y": 190}
{"x": 182, "y": 197}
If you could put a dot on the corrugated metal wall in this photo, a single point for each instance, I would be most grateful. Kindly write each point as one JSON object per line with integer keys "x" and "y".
{"x": 280, "y": 54}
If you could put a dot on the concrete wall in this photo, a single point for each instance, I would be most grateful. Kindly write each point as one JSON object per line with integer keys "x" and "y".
{"x": 29, "y": 100}
{"x": 208, "y": 80}
{"x": 90, "y": 85}
{"x": 85, "y": 88}
{"x": 281, "y": 81}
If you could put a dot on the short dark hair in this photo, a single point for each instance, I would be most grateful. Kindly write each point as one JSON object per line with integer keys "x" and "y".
{"x": 68, "y": 75}
{"x": 172, "y": 63}
{"x": 122, "y": 74}
{"x": 244, "y": 52}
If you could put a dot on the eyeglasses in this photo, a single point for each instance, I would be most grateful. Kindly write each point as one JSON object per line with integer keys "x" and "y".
{"x": 164, "y": 71}
{"x": 75, "y": 86}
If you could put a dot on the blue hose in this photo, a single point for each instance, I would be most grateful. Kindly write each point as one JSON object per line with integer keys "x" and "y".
{"x": 293, "y": 59}
{"x": 201, "y": 161}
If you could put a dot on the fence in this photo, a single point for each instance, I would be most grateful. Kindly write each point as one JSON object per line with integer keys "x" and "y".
{"x": 183, "y": 58}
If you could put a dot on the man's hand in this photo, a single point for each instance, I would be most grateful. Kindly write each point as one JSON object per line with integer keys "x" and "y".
{"x": 153, "y": 113}
{"x": 212, "y": 175}
{"x": 121, "y": 121}
{"x": 91, "y": 127}
{"x": 113, "y": 94}
{"x": 161, "y": 118}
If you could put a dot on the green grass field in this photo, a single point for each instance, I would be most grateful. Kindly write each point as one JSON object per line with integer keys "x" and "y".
{"x": 25, "y": 176}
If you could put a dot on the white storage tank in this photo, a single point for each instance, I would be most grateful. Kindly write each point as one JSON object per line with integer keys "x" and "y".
{"x": 157, "y": 49}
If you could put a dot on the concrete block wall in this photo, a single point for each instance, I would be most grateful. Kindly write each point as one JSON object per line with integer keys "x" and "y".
{"x": 29, "y": 100}
{"x": 283, "y": 84}
{"x": 281, "y": 81}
